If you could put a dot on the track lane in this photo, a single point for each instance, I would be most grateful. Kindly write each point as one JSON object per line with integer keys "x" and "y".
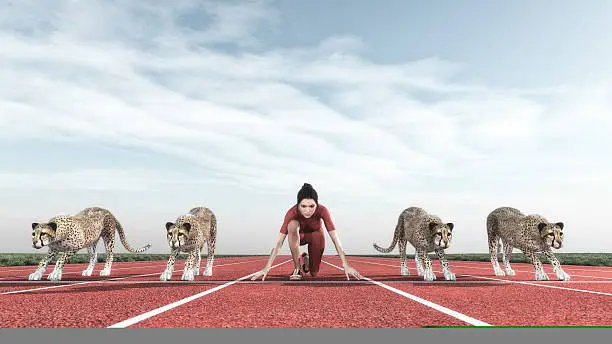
{"x": 284, "y": 303}
{"x": 138, "y": 273}
{"x": 503, "y": 303}
{"x": 99, "y": 304}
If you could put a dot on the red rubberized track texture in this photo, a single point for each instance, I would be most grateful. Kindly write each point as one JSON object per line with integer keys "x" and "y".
{"x": 133, "y": 296}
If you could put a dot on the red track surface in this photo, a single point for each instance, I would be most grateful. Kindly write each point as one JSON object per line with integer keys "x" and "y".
{"x": 134, "y": 297}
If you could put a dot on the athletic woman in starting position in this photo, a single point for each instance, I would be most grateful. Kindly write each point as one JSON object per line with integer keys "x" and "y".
{"x": 303, "y": 226}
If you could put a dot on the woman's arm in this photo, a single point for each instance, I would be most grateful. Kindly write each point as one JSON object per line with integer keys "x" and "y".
{"x": 279, "y": 244}
{"x": 264, "y": 272}
{"x": 347, "y": 268}
{"x": 336, "y": 240}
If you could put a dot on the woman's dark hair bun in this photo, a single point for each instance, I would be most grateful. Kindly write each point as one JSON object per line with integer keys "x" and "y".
{"x": 306, "y": 186}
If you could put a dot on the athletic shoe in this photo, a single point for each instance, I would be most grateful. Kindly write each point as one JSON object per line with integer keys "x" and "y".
{"x": 306, "y": 262}
{"x": 296, "y": 275}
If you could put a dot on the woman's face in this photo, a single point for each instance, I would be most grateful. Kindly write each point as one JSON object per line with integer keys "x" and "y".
{"x": 307, "y": 207}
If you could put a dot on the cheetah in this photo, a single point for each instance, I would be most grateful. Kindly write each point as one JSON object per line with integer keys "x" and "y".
{"x": 532, "y": 234}
{"x": 426, "y": 233}
{"x": 189, "y": 233}
{"x": 65, "y": 235}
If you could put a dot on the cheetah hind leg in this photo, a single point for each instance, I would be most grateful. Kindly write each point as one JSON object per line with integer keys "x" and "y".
{"x": 402, "y": 253}
{"x": 506, "y": 255}
{"x": 93, "y": 258}
{"x": 109, "y": 244}
{"x": 493, "y": 251}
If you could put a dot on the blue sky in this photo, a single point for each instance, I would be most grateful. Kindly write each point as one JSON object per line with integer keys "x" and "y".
{"x": 150, "y": 108}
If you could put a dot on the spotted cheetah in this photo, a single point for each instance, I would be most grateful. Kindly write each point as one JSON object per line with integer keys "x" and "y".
{"x": 531, "y": 234}
{"x": 426, "y": 233}
{"x": 189, "y": 233}
{"x": 65, "y": 235}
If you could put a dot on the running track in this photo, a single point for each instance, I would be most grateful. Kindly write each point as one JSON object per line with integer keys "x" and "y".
{"x": 134, "y": 297}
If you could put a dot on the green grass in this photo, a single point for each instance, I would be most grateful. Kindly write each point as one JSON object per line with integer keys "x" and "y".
{"x": 591, "y": 259}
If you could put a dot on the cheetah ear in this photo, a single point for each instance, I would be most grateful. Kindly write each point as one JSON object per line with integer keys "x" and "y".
{"x": 53, "y": 226}
{"x": 168, "y": 225}
{"x": 450, "y": 226}
{"x": 432, "y": 225}
{"x": 541, "y": 226}
{"x": 187, "y": 226}
{"x": 560, "y": 224}
{"x": 34, "y": 224}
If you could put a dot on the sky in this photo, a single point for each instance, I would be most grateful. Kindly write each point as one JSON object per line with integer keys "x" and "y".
{"x": 150, "y": 108}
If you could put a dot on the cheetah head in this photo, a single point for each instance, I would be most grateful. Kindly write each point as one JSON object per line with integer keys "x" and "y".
{"x": 551, "y": 234}
{"x": 442, "y": 233}
{"x": 43, "y": 234}
{"x": 177, "y": 234}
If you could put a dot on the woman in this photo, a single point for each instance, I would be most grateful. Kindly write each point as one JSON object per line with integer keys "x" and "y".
{"x": 302, "y": 226}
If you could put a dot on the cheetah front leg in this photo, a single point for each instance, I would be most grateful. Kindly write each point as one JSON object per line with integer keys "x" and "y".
{"x": 540, "y": 275}
{"x": 167, "y": 274}
{"x": 198, "y": 261}
{"x": 42, "y": 266}
{"x": 561, "y": 275}
{"x": 93, "y": 259}
{"x": 402, "y": 253}
{"x": 428, "y": 274}
{"x": 210, "y": 257}
{"x": 506, "y": 255}
{"x": 188, "y": 268}
{"x": 448, "y": 274}
{"x": 419, "y": 265}
{"x": 56, "y": 274}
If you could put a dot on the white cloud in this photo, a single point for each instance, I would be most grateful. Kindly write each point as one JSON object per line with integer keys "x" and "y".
{"x": 268, "y": 119}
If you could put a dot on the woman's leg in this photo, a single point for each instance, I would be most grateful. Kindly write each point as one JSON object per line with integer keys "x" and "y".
{"x": 293, "y": 236}
{"x": 316, "y": 247}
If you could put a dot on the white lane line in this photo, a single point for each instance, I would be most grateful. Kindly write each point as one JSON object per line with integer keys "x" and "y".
{"x": 541, "y": 285}
{"x": 509, "y": 281}
{"x": 110, "y": 279}
{"x": 157, "y": 311}
{"x": 483, "y": 268}
{"x": 550, "y": 271}
{"x": 77, "y": 268}
{"x": 567, "y": 267}
{"x": 447, "y": 311}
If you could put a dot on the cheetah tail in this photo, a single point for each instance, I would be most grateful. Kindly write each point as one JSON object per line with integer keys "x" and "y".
{"x": 125, "y": 243}
{"x": 212, "y": 241}
{"x": 396, "y": 235}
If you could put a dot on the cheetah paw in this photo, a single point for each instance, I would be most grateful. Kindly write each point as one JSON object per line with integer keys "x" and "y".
{"x": 56, "y": 275}
{"x": 510, "y": 272}
{"x": 450, "y": 276}
{"x": 429, "y": 276}
{"x": 499, "y": 272}
{"x": 105, "y": 272}
{"x": 166, "y": 275}
{"x": 207, "y": 272}
{"x": 187, "y": 275}
{"x": 87, "y": 272}
{"x": 562, "y": 275}
{"x": 35, "y": 276}
{"x": 404, "y": 271}
{"x": 541, "y": 276}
